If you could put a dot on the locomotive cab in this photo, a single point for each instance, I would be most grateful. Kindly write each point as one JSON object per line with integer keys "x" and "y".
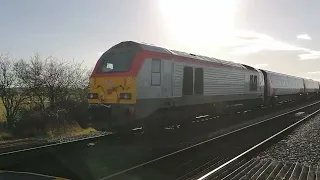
{"x": 112, "y": 93}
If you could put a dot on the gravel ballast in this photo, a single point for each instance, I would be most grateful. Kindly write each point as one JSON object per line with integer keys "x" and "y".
{"x": 301, "y": 146}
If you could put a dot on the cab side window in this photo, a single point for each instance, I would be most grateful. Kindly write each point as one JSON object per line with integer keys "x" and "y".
{"x": 156, "y": 72}
{"x": 198, "y": 84}
{"x": 253, "y": 83}
{"x": 187, "y": 88}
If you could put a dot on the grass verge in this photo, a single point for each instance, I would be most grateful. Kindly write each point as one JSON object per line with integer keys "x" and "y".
{"x": 70, "y": 130}
{"x": 5, "y": 135}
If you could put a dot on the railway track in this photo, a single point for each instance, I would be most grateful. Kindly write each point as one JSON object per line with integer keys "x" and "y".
{"x": 13, "y": 161}
{"x": 244, "y": 166}
{"x": 48, "y": 159}
{"x": 197, "y": 161}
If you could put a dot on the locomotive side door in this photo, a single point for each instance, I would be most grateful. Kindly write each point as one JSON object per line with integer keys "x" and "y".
{"x": 167, "y": 72}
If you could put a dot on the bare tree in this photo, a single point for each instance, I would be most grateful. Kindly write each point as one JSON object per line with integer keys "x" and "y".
{"x": 80, "y": 83}
{"x": 57, "y": 78}
{"x": 53, "y": 80}
{"x": 30, "y": 74}
{"x": 11, "y": 93}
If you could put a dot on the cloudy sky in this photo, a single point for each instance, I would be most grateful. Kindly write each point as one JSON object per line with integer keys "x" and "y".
{"x": 278, "y": 35}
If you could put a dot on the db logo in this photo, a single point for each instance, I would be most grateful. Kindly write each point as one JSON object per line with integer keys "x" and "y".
{"x": 109, "y": 83}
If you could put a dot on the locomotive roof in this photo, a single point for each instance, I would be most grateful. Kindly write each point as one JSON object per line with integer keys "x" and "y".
{"x": 153, "y": 48}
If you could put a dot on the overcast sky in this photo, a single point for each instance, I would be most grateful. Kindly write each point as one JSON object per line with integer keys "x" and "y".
{"x": 278, "y": 35}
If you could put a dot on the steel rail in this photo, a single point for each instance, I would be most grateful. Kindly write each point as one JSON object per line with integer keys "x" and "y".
{"x": 257, "y": 146}
{"x": 206, "y": 141}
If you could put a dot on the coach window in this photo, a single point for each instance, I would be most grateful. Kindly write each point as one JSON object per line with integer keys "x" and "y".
{"x": 156, "y": 72}
{"x": 187, "y": 81}
{"x": 198, "y": 84}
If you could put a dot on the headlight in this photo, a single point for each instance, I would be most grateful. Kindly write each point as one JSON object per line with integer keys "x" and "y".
{"x": 92, "y": 95}
{"x": 125, "y": 96}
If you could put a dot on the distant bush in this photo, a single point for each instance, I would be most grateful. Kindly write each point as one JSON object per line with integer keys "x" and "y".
{"x": 31, "y": 123}
{"x": 76, "y": 112}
